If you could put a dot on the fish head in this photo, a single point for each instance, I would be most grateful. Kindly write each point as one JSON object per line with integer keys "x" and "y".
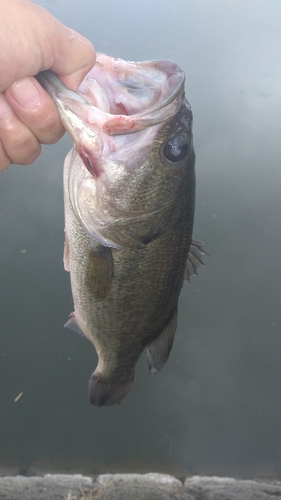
{"x": 132, "y": 133}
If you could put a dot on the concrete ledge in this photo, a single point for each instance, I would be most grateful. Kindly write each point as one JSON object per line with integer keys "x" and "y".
{"x": 152, "y": 486}
{"x": 227, "y": 488}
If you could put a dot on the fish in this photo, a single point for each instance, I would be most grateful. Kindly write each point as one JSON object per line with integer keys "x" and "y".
{"x": 129, "y": 199}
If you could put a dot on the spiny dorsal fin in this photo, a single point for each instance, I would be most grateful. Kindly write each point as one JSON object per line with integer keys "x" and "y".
{"x": 194, "y": 259}
{"x": 99, "y": 271}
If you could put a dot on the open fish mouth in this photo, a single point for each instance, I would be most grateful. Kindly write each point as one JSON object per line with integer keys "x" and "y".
{"x": 124, "y": 97}
{"x": 138, "y": 94}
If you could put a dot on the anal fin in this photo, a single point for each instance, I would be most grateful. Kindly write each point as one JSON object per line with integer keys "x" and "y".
{"x": 72, "y": 325}
{"x": 159, "y": 349}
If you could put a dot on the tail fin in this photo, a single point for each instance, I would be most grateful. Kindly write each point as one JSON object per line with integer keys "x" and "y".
{"x": 104, "y": 392}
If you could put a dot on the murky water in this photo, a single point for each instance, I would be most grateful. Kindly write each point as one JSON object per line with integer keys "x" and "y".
{"x": 215, "y": 407}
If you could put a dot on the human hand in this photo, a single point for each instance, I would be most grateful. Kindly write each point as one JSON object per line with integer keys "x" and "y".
{"x": 32, "y": 40}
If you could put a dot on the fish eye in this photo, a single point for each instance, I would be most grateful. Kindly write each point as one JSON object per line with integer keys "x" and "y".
{"x": 176, "y": 149}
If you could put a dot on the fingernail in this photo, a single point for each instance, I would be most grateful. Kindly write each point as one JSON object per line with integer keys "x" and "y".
{"x": 5, "y": 108}
{"x": 25, "y": 93}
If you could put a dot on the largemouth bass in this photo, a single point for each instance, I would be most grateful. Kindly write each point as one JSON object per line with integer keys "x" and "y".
{"x": 129, "y": 193}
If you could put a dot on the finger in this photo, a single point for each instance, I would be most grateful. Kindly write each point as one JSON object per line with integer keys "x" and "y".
{"x": 19, "y": 143}
{"x": 42, "y": 42}
{"x": 4, "y": 159}
{"x": 35, "y": 109}
{"x": 82, "y": 57}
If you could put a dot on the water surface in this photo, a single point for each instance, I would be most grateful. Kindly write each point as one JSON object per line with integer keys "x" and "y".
{"x": 215, "y": 407}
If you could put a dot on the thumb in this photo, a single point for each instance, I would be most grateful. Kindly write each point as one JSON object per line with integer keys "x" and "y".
{"x": 73, "y": 56}
{"x": 33, "y": 40}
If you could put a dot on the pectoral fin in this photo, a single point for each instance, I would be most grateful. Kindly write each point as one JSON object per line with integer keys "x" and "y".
{"x": 99, "y": 271}
{"x": 158, "y": 351}
{"x": 194, "y": 259}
